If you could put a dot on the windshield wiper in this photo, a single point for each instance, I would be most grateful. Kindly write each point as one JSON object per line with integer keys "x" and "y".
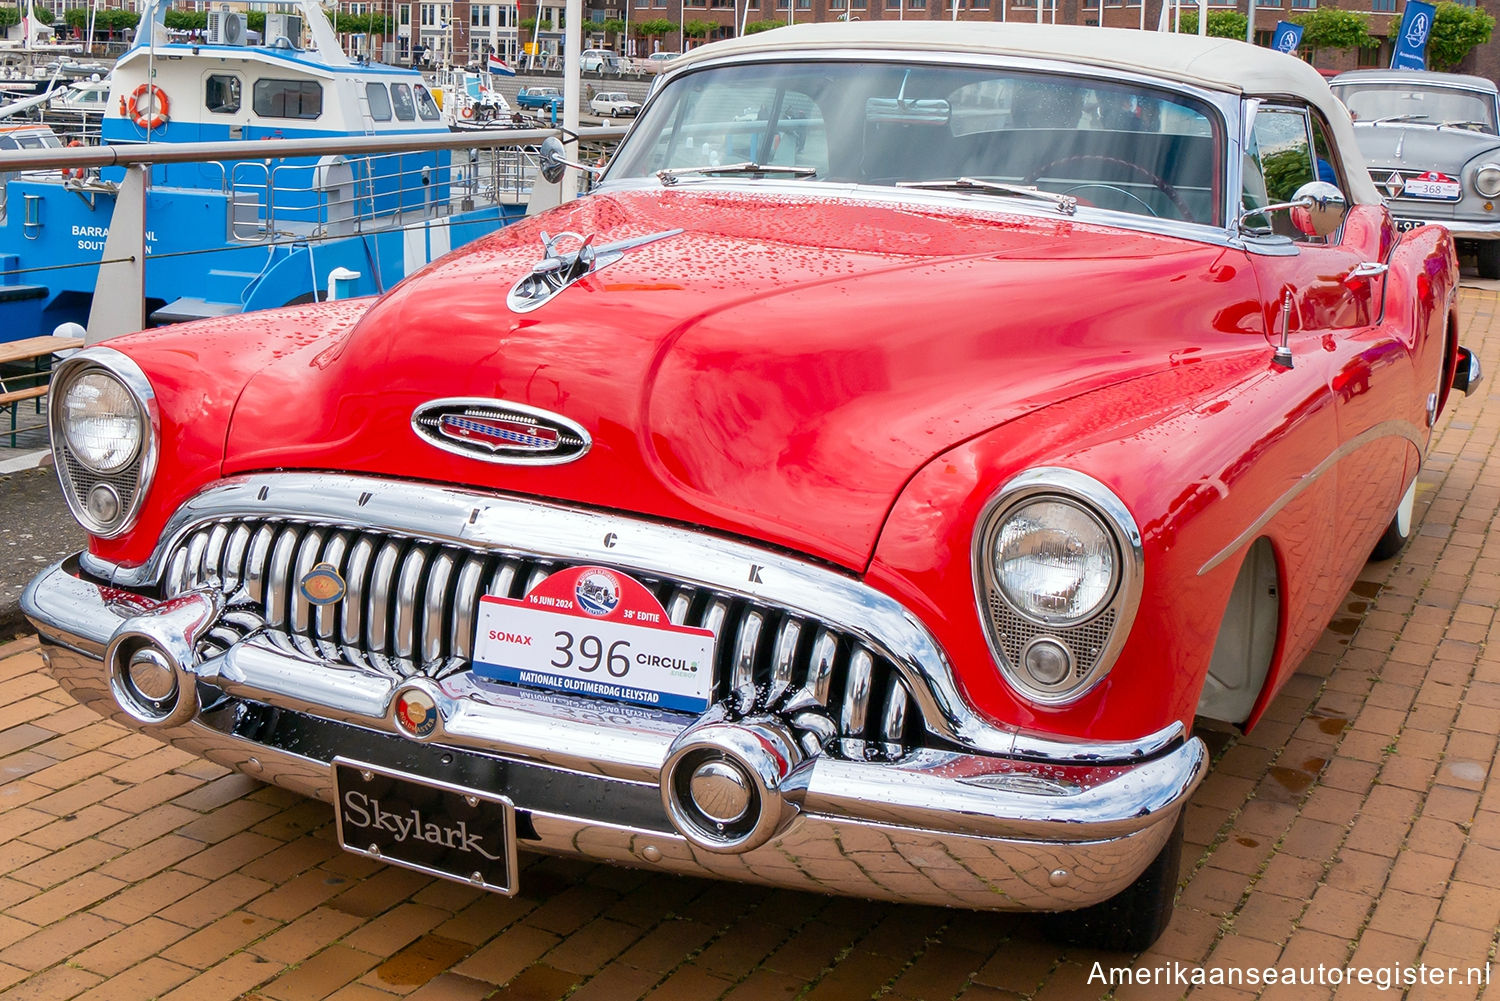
{"x": 1466, "y": 126}
{"x": 1066, "y": 204}
{"x": 670, "y": 175}
{"x": 1389, "y": 119}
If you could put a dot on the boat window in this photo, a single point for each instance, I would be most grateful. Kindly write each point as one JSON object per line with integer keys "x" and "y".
{"x": 221, "y": 94}
{"x": 426, "y": 106}
{"x": 288, "y": 98}
{"x": 406, "y": 108}
{"x": 380, "y": 101}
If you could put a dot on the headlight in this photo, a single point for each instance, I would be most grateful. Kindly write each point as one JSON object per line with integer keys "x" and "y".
{"x": 1057, "y": 571}
{"x": 104, "y": 438}
{"x": 1487, "y": 180}
{"x": 100, "y": 422}
{"x": 1054, "y": 561}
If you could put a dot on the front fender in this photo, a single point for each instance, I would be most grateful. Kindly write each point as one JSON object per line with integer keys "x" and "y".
{"x": 1199, "y": 454}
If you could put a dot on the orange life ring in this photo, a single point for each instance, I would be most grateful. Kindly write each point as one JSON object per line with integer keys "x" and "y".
{"x": 75, "y": 171}
{"x": 467, "y": 112}
{"x": 149, "y": 114}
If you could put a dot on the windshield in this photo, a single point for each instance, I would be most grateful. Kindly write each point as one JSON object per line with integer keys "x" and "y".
{"x": 1413, "y": 102}
{"x": 1124, "y": 147}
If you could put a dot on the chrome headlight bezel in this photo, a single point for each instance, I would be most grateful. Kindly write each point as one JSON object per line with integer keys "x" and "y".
{"x": 1487, "y": 179}
{"x": 1087, "y": 642}
{"x": 123, "y": 487}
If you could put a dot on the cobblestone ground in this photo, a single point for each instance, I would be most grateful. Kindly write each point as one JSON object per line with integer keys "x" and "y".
{"x": 1358, "y": 826}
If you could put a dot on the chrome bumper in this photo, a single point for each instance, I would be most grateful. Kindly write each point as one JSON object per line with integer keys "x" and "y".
{"x": 1058, "y": 827}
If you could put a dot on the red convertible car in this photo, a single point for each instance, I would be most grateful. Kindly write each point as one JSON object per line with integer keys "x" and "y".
{"x": 862, "y": 490}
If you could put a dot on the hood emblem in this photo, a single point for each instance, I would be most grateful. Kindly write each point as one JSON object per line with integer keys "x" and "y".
{"x": 1394, "y": 185}
{"x": 500, "y": 431}
{"x": 557, "y": 269}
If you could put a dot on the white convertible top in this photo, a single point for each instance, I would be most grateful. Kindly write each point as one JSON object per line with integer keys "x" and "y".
{"x": 1221, "y": 64}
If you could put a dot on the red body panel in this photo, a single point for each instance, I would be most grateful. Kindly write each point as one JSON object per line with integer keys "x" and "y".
{"x": 853, "y": 381}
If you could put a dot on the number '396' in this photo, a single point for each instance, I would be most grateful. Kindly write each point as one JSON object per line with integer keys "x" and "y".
{"x": 587, "y": 654}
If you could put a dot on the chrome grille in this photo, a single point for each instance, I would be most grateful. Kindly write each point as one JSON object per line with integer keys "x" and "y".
{"x": 411, "y": 609}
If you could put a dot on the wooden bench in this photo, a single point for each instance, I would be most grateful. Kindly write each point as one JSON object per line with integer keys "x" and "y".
{"x": 33, "y": 355}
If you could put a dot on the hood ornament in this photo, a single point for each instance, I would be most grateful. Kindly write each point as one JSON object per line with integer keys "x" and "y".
{"x": 557, "y": 270}
{"x": 500, "y": 431}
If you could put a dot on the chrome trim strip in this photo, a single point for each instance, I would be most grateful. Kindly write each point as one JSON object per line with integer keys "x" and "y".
{"x": 1385, "y": 429}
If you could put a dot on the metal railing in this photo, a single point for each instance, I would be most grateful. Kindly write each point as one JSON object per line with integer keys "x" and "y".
{"x": 302, "y": 189}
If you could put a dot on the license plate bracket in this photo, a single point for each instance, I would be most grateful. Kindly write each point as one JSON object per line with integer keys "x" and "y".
{"x": 442, "y": 829}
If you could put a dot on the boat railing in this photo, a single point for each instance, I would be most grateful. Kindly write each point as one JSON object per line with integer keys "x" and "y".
{"x": 348, "y": 194}
{"x": 278, "y": 191}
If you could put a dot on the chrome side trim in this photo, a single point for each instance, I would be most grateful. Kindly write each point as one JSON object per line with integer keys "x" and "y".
{"x": 1385, "y": 429}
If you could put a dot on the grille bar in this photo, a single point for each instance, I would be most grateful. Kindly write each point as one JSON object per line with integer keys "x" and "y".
{"x": 411, "y": 607}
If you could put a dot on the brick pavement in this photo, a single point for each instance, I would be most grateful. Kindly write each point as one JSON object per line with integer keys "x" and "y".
{"x": 1359, "y": 824}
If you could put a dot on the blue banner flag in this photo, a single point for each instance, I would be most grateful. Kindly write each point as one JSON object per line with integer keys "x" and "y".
{"x": 1287, "y": 38}
{"x": 1411, "y": 40}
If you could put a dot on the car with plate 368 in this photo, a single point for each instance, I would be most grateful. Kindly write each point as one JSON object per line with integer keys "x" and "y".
{"x": 862, "y": 495}
{"x": 1432, "y": 143}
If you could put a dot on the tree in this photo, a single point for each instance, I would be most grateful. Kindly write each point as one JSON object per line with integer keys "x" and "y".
{"x": 179, "y": 20}
{"x": 613, "y": 26}
{"x": 1332, "y": 28}
{"x": 698, "y": 29}
{"x": 1221, "y": 23}
{"x": 654, "y": 27}
{"x": 755, "y": 27}
{"x": 1456, "y": 30}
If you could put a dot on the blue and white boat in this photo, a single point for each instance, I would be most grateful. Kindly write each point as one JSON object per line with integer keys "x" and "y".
{"x": 252, "y": 233}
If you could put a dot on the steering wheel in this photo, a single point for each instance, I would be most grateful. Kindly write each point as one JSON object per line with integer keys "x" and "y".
{"x": 1113, "y": 189}
{"x": 1157, "y": 181}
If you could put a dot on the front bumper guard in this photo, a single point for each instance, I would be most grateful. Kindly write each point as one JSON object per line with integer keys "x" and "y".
{"x": 1061, "y": 828}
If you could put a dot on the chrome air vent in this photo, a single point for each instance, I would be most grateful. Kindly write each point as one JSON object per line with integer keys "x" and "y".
{"x": 499, "y": 431}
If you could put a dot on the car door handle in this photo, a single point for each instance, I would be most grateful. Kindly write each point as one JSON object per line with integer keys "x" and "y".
{"x": 1367, "y": 269}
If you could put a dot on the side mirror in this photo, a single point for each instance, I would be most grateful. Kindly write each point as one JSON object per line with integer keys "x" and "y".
{"x": 1317, "y": 209}
{"x": 553, "y": 162}
{"x": 1324, "y": 209}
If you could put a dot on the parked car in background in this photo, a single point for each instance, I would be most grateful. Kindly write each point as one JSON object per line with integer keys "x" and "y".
{"x": 599, "y": 61}
{"x": 1431, "y": 143}
{"x": 539, "y": 99}
{"x": 719, "y": 522}
{"x": 614, "y": 104}
{"x": 657, "y": 62}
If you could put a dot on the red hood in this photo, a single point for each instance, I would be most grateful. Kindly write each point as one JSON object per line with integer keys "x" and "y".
{"x": 779, "y": 369}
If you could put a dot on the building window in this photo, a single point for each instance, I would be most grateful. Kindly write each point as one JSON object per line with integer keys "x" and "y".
{"x": 1383, "y": 6}
{"x": 1304, "y": 4}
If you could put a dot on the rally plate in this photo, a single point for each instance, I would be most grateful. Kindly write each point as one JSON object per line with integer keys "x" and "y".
{"x": 597, "y": 632}
{"x": 433, "y": 827}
